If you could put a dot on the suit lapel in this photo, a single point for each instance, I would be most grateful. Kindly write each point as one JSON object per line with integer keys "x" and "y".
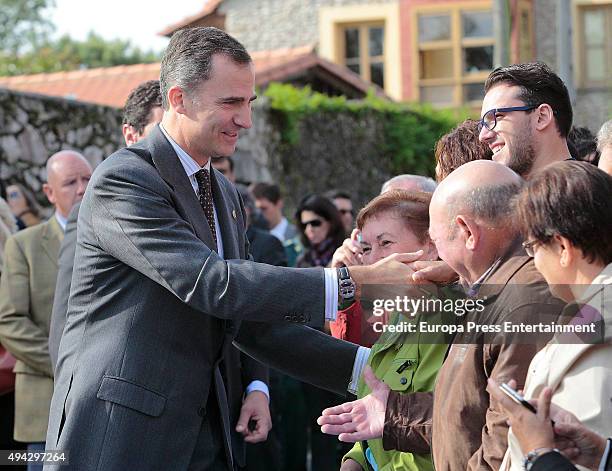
{"x": 52, "y": 239}
{"x": 227, "y": 216}
{"x": 169, "y": 166}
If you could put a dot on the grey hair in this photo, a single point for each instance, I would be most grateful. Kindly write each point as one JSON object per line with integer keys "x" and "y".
{"x": 426, "y": 184}
{"x": 604, "y": 136}
{"x": 187, "y": 61}
{"x": 488, "y": 203}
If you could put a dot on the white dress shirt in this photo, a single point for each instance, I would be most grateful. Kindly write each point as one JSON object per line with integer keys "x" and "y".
{"x": 278, "y": 231}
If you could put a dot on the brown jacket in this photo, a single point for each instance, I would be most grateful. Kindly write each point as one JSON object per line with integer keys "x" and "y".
{"x": 464, "y": 427}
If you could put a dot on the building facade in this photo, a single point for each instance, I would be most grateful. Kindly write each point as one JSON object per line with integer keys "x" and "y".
{"x": 436, "y": 51}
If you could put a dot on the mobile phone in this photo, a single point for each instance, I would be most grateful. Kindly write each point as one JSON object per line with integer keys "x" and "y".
{"x": 516, "y": 397}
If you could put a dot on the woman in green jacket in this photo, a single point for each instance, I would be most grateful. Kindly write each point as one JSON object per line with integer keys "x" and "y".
{"x": 397, "y": 221}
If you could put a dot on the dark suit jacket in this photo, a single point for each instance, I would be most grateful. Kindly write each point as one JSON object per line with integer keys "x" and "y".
{"x": 65, "y": 263}
{"x": 239, "y": 369}
{"x": 151, "y": 308}
{"x": 553, "y": 461}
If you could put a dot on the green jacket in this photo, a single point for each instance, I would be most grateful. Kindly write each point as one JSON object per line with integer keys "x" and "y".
{"x": 418, "y": 366}
{"x": 27, "y": 287}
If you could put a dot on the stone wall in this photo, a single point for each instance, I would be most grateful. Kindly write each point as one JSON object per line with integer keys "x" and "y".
{"x": 272, "y": 24}
{"x": 33, "y": 127}
{"x": 333, "y": 150}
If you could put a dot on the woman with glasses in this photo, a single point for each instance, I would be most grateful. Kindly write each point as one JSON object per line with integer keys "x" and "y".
{"x": 565, "y": 215}
{"x": 321, "y": 231}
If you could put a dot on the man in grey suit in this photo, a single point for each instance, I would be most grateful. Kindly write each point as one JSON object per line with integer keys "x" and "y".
{"x": 161, "y": 283}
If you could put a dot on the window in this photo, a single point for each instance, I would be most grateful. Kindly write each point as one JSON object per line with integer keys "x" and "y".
{"x": 454, "y": 54}
{"x": 363, "y": 47}
{"x": 365, "y": 38}
{"x": 594, "y": 45}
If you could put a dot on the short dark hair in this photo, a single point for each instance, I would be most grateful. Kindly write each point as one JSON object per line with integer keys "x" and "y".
{"x": 538, "y": 85}
{"x": 459, "y": 147}
{"x": 139, "y": 104}
{"x": 583, "y": 145}
{"x": 187, "y": 61}
{"x": 411, "y": 207}
{"x": 268, "y": 191}
{"x": 225, "y": 158}
{"x": 570, "y": 199}
{"x": 333, "y": 194}
{"x": 323, "y": 207}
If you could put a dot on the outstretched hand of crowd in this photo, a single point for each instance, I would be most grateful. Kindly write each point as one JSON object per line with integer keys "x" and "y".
{"x": 359, "y": 420}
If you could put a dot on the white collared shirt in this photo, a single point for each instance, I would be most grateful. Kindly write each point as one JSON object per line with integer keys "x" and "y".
{"x": 61, "y": 220}
{"x": 278, "y": 231}
{"x": 191, "y": 168}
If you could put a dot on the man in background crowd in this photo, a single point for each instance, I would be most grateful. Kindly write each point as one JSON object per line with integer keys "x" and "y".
{"x": 26, "y": 297}
{"x": 342, "y": 201}
{"x": 268, "y": 200}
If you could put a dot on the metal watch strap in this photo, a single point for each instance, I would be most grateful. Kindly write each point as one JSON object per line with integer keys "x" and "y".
{"x": 346, "y": 285}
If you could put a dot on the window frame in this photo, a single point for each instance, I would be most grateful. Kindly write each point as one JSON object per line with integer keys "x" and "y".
{"x": 580, "y": 47}
{"x": 365, "y": 60}
{"x": 457, "y": 43}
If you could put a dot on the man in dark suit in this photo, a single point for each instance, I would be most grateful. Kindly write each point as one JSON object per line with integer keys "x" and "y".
{"x": 161, "y": 283}
{"x": 243, "y": 376}
{"x": 141, "y": 112}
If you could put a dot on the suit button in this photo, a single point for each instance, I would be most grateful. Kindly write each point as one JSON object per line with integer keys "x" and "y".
{"x": 202, "y": 411}
{"x": 403, "y": 380}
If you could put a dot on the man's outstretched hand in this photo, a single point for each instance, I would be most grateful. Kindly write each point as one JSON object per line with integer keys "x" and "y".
{"x": 359, "y": 420}
{"x": 392, "y": 270}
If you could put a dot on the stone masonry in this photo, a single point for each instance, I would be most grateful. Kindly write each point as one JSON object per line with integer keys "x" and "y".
{"x": 33, "y": 127}
{"x": 272, "y": 24}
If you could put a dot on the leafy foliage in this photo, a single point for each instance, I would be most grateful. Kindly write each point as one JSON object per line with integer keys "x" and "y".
{"x": 70, "y": 54}
{"x": 26, "y": 46}
{"x": 410, "y": 130}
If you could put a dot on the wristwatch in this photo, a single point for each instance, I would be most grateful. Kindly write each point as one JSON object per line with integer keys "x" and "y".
{"x": 531, "y": 457}
{"x": 346, "y": 286}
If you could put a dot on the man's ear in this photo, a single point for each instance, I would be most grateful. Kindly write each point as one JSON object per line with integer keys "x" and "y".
{"x": 565, "y": 250}
{"x": 544, "y": 116}
{"x": 49, "y": 193}
{"x": 431, "y": 252}
{"x": 468, "y": 231}
{"x": 130, "y": 135}
{"x": 176, "y": 99}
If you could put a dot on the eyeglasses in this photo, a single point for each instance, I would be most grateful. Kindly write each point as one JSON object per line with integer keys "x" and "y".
{"x": 529, "y": 246}
{"x": 489, "y": 119}
{"x": 313, "y": 223}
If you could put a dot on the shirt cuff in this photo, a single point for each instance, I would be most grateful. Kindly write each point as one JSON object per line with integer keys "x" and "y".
{"x": 361, "y": 360}
{"x": 331, "y": 294}
{"x": 604, "y": 458}
{"x": 258, "y": 386}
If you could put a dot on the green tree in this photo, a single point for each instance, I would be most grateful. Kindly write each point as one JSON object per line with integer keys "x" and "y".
{"x": 26, "y": 46}
{"x": 23, "y": 24}
{"x": 66, "y": 53}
